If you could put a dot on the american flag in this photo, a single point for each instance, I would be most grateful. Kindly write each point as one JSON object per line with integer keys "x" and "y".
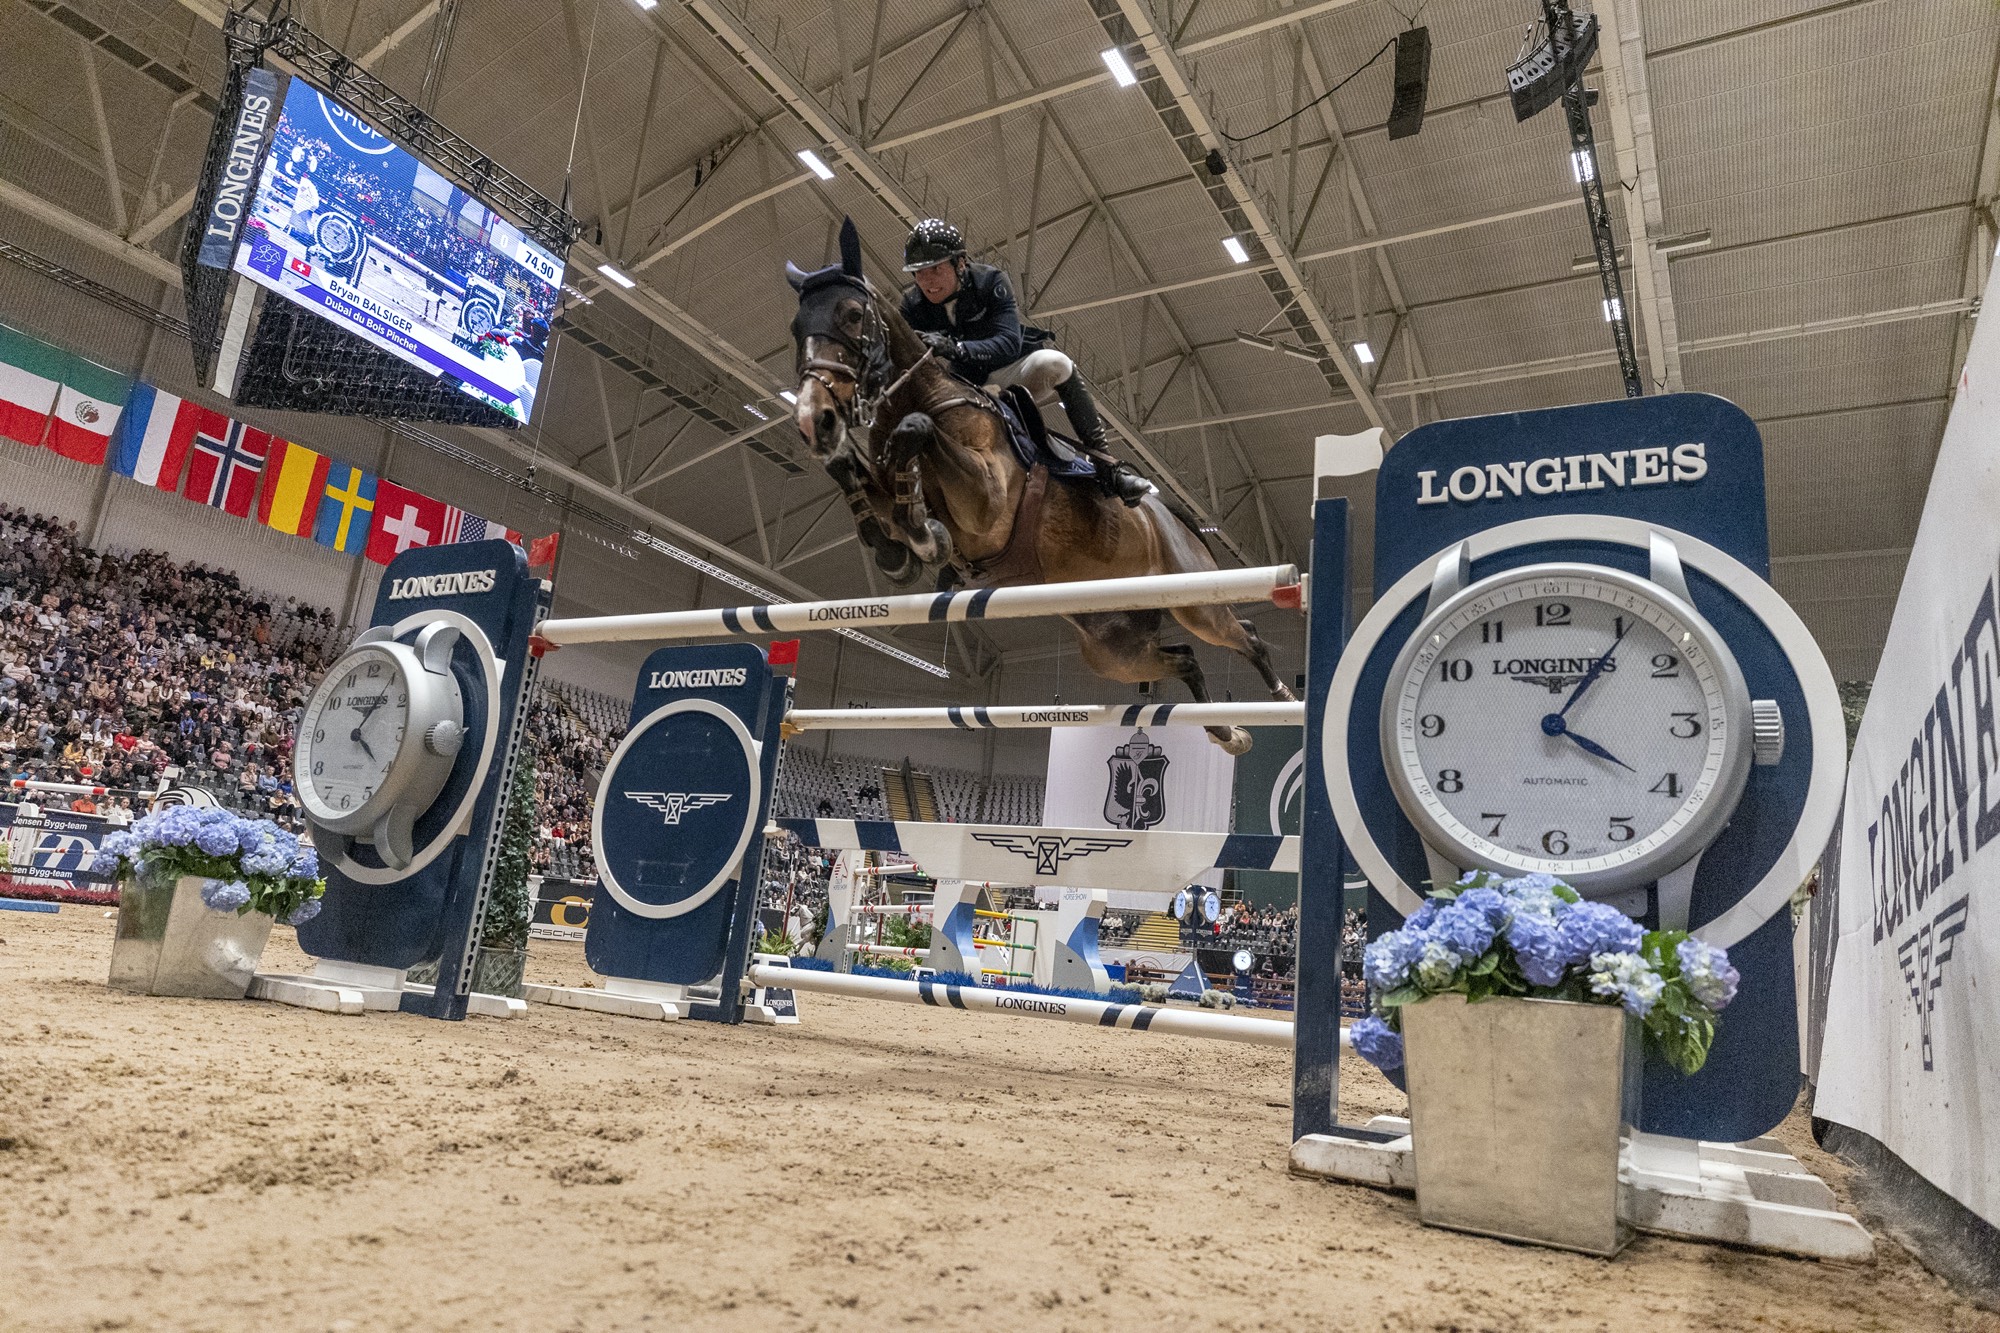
{"x": 462, "y": 526}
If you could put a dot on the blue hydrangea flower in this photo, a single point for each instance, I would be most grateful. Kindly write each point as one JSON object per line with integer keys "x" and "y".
{"x": 305, "y": 865}
{"x": 267, "y": 859}
{"x": 1387, "y": 960}
{"x": 216, "y": 840}
{"x": 1464, "y": 928}
{"x": 1420, "y": 920}
{"x": 1629, "y": 977}
{"x": 224, "y": 895}
{"x": 1376, "y": 1043}
{"x": 1538, "y": 948}
{"x": 1489, "y": 903}
{"x": 1590, "y": 928}
{"x": 1708, "y": 974}
{"x": 1437, "y": 966}
{"x": 303, "y": 913}
{"x": 1537, "y": 883}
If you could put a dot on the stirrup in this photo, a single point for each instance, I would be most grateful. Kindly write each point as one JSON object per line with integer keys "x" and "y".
{"x": 1126, "y": 485}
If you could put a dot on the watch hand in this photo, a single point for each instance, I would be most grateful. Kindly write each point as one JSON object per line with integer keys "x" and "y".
{"x": 1596, "y": 670}
{"x": 1592, "y": 747}
{"x": 356, "y": 738}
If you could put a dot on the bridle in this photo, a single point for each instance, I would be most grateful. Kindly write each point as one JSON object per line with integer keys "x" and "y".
{"x": 870, "y": 348}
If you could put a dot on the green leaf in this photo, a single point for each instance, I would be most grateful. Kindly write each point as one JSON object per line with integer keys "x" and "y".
{"x": 1408, "y": 994}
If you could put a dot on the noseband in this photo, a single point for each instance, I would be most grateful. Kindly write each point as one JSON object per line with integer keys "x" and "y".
{"x": 870, "y": 349}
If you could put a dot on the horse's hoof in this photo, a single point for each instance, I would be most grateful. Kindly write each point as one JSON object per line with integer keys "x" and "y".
{"x": 1233, "y": 740}
{"x": 898, "y": 565}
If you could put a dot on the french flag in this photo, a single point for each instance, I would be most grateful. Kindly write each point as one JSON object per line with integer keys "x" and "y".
{"x": 155, "y": 433}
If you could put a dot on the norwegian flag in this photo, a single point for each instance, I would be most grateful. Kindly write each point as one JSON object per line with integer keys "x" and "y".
{"x": 224, "y": 467}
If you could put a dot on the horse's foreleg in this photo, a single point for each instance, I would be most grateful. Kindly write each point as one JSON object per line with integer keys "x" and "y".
{"x": 914, "y": 436}
{"x": 895, "y": 559}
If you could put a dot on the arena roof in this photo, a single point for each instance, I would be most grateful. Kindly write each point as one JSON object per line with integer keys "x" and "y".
{"x": 1809, "y": 182}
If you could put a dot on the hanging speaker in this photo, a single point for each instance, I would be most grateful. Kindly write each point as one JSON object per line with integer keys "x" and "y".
{"x": 1413, "y": 78}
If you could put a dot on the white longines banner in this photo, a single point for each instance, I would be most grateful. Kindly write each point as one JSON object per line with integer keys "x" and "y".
{"x": 1911, "y": 1054}
{"x": 1138, "y": 778}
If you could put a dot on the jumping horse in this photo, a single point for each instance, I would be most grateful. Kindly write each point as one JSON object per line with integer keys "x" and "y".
{"x": 926, "y": 464}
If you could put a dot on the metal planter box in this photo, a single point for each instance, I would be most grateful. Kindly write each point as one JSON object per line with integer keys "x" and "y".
{"x": 1516, "y": 1107}
{"x": 169, "y": 942}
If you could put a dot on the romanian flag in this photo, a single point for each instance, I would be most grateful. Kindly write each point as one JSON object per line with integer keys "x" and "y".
{"x": 294, "y": 482}
{"x": 49, "y": 397}
{"x": 346, "y": 509}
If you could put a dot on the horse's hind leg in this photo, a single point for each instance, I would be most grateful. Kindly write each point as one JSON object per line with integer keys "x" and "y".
{"x": 1220, "y": 626}
{"x": 1125, "y": 646}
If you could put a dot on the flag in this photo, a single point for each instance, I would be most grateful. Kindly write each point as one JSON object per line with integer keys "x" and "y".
{"x": 49, "y": 397}
{"x": 542, "y": 550}
{"x": 784, "y": 652}
{"x": 224, "y": 467}
{"x": 346, "y": 506}
{"x": 294, "y": 481}
{"x": 462, "y": 526}
{"x": 404, "y": 519}
{"x": 155, "y": 433}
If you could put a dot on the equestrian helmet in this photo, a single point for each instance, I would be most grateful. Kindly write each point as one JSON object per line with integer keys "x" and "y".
{"x": 932, "y": 241}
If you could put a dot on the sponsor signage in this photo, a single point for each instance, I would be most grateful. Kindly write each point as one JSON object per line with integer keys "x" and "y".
{"x": 239, "y": 168}
{"x": 457, "y": 584}
{"x": 1909, "y": 1054}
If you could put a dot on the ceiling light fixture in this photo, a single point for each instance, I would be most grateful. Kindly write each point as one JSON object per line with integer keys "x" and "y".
{"x": 815, "y": 165}
{"x": 1114, "y": 60}
{"x": 1364, "y": 354}
{"x": 1273, "y": 345}
{"x": 1680, "y": 245}
{"x": 648, "y": 4}
{"x": 616, "y": 276}
{"x": 1235, "y": 249}
{"x": 756, "y": 412}
{"x": 788, "y": 396}
{"x": 1614, "y": 310}
{"x": 1582, "y": 165}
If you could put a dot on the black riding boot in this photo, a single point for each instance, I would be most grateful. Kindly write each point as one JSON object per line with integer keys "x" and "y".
{"x": 1113, "y": 476}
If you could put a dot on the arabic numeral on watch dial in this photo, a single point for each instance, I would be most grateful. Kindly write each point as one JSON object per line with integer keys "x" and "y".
{"x": 1589, "y": 736}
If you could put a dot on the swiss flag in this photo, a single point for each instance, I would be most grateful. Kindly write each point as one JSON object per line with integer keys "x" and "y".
{"x": 404, "y": 520}
{"x": 301, "y": 267}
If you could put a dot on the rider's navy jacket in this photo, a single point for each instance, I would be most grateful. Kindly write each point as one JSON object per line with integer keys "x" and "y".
{"x": 982, "y": 316}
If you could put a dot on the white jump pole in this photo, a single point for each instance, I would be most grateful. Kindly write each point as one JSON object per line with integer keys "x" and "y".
{"x": 974, "y": 718}
{"x": 1274, "y": 583}
{"x": 1028, "y": 1004}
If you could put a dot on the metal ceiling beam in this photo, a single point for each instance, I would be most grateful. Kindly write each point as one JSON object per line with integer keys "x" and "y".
{"x": 1563, "y": 365}
{"x": 1221, "y": 37}
{"x": 1185, "y": 116}
{"x": 1308, "y": 257}
{"x": 92, "y": 235}
{"x": 1629, "y": 103}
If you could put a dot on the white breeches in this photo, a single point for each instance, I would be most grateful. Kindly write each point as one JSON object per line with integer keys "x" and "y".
{"x": 1040, "y": 372}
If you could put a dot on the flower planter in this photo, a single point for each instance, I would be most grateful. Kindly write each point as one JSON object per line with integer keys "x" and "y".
{"x": 169, "y": 942}
{"x": 1516, "y": 1107}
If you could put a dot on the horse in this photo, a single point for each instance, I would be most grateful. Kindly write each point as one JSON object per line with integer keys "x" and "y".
{"x": 926, "y": 465}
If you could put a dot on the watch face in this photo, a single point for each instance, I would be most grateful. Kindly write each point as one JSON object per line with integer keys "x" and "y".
{"x": 1575, "y": 722}
{"x": 351, "y": 733}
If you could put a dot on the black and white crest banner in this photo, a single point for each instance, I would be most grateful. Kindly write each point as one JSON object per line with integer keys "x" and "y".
{"x": 1138, "y": 778}
{"x": 1911, "y": 1054}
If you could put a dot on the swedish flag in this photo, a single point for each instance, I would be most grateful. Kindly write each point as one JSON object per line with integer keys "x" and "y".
{"x": 347, "y": 509}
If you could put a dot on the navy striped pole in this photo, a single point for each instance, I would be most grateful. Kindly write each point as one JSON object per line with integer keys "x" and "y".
{"x": 1156, "y": 591}
{"x": 1029, "y": 1004}
{"x": 973, "y": 717}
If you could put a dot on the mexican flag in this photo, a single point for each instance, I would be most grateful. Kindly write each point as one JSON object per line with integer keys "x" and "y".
{"x": 49, "y": 397}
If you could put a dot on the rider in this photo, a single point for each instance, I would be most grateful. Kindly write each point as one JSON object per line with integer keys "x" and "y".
{"x": 965, "y": 313}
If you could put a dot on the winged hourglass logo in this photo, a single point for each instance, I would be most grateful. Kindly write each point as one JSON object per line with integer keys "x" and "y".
{"x": 1923, "y": 956}
{"x": 1048, "y": 851}
{"x": 674, "y": 804}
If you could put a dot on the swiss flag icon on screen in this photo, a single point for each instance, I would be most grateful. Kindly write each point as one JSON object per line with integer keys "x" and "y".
{"x": 301, "y": 267}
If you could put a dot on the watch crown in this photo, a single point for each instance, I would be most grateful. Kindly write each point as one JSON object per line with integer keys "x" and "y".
{"x": 1767, "y": 732}
{"x": 444, "y": 738}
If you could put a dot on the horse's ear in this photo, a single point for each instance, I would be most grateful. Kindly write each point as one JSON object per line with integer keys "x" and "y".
{"x": 850, "y": 248}
{"x": 795, "y": 275}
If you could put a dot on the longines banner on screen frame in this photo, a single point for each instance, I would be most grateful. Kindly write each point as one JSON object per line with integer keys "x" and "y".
{"x": 1911, "y": 1056}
